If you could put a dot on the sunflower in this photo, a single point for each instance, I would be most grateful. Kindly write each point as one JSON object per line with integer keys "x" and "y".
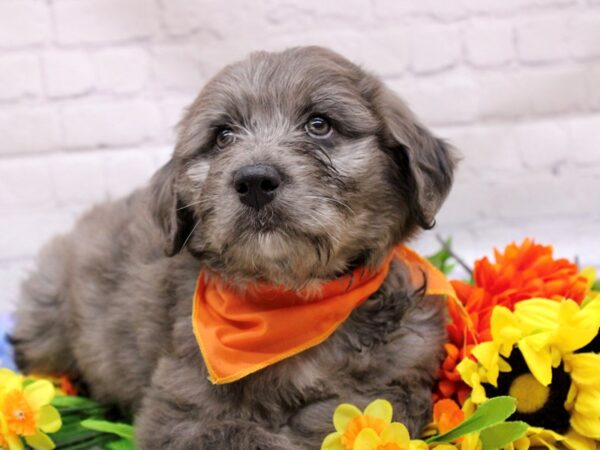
{"x": 521, "y": 272}
{"x": 535, "y": 356}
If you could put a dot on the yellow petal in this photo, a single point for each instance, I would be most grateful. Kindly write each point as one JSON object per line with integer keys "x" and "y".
{"x": 40, "y": 441}
{"x": 471, "y": 442}
{"x": 421, "y": 445}
{"x": 574, "y": 441}
{"x": 39, "y": 393}
{"x": 395, "y": 433}
{"x": 14, "y": 443}
{"x": 505, "y": 329}
{"x": 487, "y": 355}
{"x": 333, "y": 442}
{"x": 467, "y": 368}
{"x": 589, "y": 273}
{"x": 9, "y": 380}
{"x": 382, "y": 409}
{"x": 367, "y": 439}
{"x": 583, "y": 368}
{"x": 48, "y": 419}
{"x": 538, "y": 361}
{"x": 537, "y": 314}
{"x": 444, "y": 447}
{"x": 585, "y": 425}
{"x": 343, "y": 414}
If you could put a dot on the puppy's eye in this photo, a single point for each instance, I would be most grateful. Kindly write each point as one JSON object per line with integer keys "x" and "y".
{"x": 318, "y": 127}
{"x": 225, "y": 137}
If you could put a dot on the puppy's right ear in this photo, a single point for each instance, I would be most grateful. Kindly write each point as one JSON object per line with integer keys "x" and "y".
{"x": 424, "y": 163}
{"x": 174, "y": 219}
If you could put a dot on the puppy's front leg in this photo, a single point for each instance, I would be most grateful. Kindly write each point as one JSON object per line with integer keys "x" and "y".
{"x": 179, "y": 413}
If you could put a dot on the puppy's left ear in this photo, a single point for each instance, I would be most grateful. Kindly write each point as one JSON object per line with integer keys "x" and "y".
{"x": 425, "y": 164}
{"x": 175, "y": 221}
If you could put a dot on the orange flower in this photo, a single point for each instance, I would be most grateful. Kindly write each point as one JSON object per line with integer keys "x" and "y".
{"x": 447, "y": 415}
{"x": 18, "y": 415}
{"x": 522, "y": 272}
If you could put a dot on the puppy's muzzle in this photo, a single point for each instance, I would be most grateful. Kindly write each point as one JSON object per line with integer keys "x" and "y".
{"x": 257, "y": 184}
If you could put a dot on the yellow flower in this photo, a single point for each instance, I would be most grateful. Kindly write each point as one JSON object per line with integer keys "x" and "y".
{"x": 547, "y": 333}
{"x": 545, "y": 330}
{"x": 26, "y": 411}
{"x": 473, "y": 374}
{"x": 394, "y": 437}
{"x": 371, "y": 429}
{"x": 584, "y": 397}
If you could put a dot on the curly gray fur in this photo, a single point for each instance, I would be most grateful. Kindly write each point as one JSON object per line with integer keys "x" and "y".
{"x": 110, "y": 303}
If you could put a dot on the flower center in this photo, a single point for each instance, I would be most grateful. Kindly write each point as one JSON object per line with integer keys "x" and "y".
{"x": 359, "y": 423}
{"x": 531, "y": 395}
{"x": 19, "y": 416}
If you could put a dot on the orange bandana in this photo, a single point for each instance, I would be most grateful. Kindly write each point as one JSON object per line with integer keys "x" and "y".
{"x": 239, "y": 335}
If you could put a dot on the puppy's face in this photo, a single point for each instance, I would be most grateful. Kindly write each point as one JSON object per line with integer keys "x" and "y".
{"x": 298, "y": 166}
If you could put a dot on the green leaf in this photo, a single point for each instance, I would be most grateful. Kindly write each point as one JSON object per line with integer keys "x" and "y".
{"x": 120, "y": 429}
{"x": 500, "y": 435}
{"x": 491, "y": 412}
{"x": 122, "y": 444}
{"x": 596, "y": 285}
{"x": 442, "y": 258}
{"x": 71, "y": 401}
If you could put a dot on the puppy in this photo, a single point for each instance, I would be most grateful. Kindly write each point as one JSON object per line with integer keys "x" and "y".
{"x": 345, "y": 172}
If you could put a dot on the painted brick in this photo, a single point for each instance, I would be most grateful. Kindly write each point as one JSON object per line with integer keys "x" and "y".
{"x": 585, "y": 36}
{"x": 128, "y": 170}
{"x": 439, "y": 9}
{"x": 78, "y": 178}
{"x": 543, "y": 39}
{"x": 177, "y": 67}
{"x": 543, "y": 145}
{"x": 489, "y": 43}
{"x": 441, "y": 102}
{"x": 110, "y": 124}
{"x": 584, "y": 144}
{"x": 25, "y": 182}
{"x": 101, "y": 21}
{"x": 20, "y": 76}
{"x": 122, "y": 69}
{"x": 23, "y": 22}
{"x": 28, "y": 129}
{"x": 67, "y": 73}
{"x": 434, "y": 48}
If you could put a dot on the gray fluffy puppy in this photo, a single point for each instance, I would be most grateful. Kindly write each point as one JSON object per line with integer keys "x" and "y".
{"x": 290, "y": 168}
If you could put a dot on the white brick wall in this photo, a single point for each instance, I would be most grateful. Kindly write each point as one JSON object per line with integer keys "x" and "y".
{"x": 90, "y": 91}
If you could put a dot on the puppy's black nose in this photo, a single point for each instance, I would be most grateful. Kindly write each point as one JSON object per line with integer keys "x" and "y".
{"x": 256, "y": 184}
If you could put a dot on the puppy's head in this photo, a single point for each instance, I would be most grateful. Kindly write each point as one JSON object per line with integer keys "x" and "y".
{"x": 297, "y": 166}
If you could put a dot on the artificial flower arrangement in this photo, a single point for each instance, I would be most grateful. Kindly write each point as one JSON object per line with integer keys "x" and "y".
{"x": 523, "y": 345}
{"x": 522, "y": 369}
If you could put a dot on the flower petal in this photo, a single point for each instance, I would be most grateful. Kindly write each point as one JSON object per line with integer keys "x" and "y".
{"x": 395, "y": 433}
{"x": 14, "y": 442}
{"x": 40, "y": 441}
{"x": 539, "y": 361}
{"x": 39, "y": 393}
{"x": 382, "y": 409}
{"x": 333, "y": 442}
{"x": 367, "y": 439}
{"x": 48, "y": 419}
{"x": 343, "y": 414}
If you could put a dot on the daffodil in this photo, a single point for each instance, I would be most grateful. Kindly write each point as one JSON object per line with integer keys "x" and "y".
{"x": 371, "y": 429}
{"x": 25, "y": 411}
